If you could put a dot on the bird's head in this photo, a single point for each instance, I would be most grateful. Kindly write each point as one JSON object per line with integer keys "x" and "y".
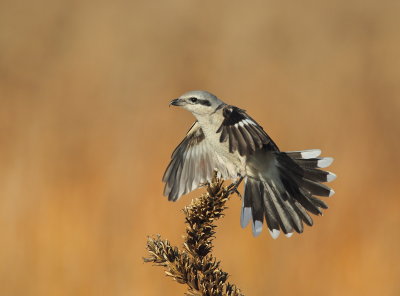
{"x": 198, "y": 102}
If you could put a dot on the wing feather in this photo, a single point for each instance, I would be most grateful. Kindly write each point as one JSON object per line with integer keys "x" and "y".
{"x": 192, "y": 163}
{"x": 243, "y": 133}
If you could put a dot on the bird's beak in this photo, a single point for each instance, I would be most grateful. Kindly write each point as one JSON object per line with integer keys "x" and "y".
{"x": 177, "y": 102}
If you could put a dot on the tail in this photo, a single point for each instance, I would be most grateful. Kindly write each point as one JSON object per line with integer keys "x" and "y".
{"x": 287, "y": 199}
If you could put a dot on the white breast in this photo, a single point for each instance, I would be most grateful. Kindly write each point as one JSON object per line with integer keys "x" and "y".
{"x": 234, "y": 163}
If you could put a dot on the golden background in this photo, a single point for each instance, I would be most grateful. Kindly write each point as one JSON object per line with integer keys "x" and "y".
{"x": 86, "y": 133}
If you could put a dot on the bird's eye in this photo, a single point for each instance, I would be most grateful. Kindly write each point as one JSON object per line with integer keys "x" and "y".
{"x": 193, "y": 100}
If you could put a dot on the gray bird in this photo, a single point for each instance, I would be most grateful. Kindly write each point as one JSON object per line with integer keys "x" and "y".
{"x": 279, "y": 186}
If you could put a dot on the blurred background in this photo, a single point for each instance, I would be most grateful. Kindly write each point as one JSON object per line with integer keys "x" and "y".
{"x": 86, "y": 133}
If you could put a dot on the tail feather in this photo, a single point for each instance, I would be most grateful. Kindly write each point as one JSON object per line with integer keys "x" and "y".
{"x": 316, "y": 188}
{"x": 287, "y": 204}
{"x": 253, "y": 192}
{"x": 294, "y": 216}
{"x": 283, "y": 217}
{"x": 246, "y": 214}
{"x": 285, "y": 200}
{"x": 318, "y": 202}
{"x": 318, "y": 175}
{"x": 303, "y": 213}
{"x": 307, "y": 203}
{"x": 271, "y": 215}
{"x": 313, "y": 163}
{"x": 304, "y": 154}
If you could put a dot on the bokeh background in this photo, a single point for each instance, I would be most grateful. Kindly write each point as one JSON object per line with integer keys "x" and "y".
{"x": 86, "y": 133}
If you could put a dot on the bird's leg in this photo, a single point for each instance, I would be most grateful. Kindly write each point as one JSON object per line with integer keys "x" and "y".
{"x": 234, "y": 186}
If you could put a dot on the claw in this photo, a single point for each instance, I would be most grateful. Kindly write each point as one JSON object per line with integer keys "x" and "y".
{"x": 205, "y": 184}
{"x": 238, "y": 193}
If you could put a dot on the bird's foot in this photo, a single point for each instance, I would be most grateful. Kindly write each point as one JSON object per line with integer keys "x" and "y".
{"x": 204, "y": 184}
{"x": 233, "y": 188}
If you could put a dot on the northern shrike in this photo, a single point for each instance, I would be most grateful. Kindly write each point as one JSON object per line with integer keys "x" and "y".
{"x": 279, "y": 186}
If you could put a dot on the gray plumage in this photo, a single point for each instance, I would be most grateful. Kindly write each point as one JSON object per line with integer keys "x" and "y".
{"x": 280, "y": 187}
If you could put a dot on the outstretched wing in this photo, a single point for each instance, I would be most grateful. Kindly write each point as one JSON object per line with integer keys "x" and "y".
{"x": 192, "y": 163}
{"x": 243, "y": 133}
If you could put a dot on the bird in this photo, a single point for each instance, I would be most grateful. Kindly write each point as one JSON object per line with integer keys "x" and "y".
{"x": 280, "y": 188}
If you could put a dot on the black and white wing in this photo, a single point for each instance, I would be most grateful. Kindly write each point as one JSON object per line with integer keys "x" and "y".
{"x": 192, "y": 163}
{"x": 244, "y": 134}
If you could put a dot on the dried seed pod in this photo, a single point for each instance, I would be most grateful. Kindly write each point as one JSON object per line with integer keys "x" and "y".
{"x": 194, "y": 265}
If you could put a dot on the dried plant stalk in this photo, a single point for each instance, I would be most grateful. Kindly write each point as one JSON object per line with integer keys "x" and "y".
{"x": 195, "y": 265}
